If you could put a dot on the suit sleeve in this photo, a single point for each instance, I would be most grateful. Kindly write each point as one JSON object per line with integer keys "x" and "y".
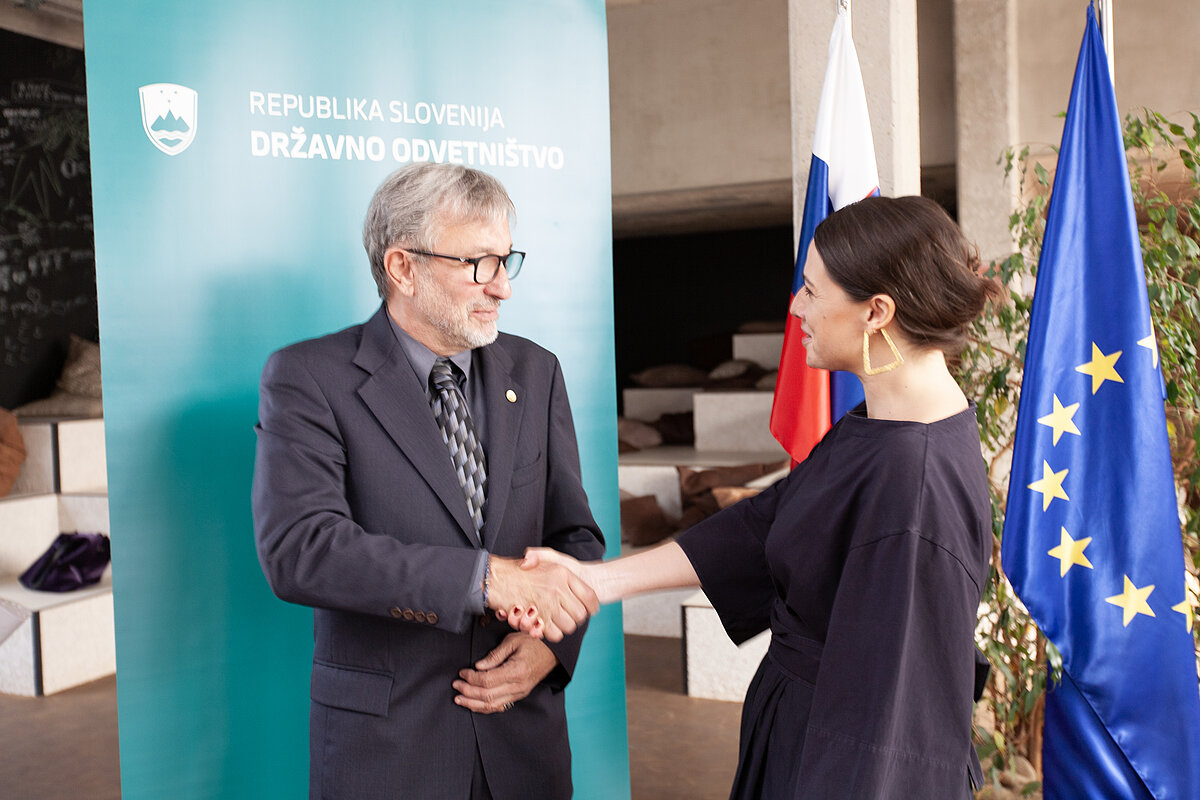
{"x": 569, "y": 526}
{"x": 311, "y": 550}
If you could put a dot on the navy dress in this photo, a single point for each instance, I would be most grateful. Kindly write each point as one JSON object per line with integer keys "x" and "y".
{"x": 867, "y": 562}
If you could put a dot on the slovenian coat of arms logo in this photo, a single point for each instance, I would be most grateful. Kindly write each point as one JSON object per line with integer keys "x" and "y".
{"x": 169, "y": 116}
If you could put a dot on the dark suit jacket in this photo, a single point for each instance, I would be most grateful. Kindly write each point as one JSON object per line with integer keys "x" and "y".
{"x": 358, "y": 513}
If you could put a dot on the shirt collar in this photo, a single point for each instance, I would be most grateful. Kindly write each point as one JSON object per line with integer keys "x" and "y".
{"x": 421, "y": 358}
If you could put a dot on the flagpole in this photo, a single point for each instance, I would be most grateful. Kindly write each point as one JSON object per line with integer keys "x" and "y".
{"x": 1106, "y": 31}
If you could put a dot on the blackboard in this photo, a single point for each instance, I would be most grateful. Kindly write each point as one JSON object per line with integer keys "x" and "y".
{"x": 47, "y": 260}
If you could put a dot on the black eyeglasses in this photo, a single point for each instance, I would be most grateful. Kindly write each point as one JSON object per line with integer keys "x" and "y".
{"x": 487, "y": 267}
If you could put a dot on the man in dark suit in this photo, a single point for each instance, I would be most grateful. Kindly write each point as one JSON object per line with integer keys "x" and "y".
{"x": 403, "y": 467}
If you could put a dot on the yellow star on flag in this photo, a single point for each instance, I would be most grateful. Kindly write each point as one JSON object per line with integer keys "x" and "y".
{"x": 1050, "y": 485}
{"x": 1070, "y": 552}
{"x": 1151, "y": 344}
{"x": 1062, "y": 420}
{"x": 1102, "y": 368}
{"x": 1185, "y": 608}
{"x": 1132, "y": 601}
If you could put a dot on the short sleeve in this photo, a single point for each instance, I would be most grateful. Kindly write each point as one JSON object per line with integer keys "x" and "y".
{"x": 728, "y": 553}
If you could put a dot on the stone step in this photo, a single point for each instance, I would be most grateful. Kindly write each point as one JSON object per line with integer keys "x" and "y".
{"x": 656, "y": 613}
{"x": 62, "y": 455}
{"x": 82, "y": 466}
{"x": 714, "y": 667}
{"x": 28, "y": 525}
{"x": 655, "y": 471}
{"x": 65, "y": 641}
{"x": 39, "y": 472}
{"x": 763, "y": 349}
{"x": 735, "y": 420}
{"x": 648, "y": 405}
{"x": 673, "y": 456}
{"x": 660, "y": 480}
{"x": 83, "y": 513}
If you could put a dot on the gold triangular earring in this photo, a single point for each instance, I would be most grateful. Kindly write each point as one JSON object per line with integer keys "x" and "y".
{"x": 867, "y": 368}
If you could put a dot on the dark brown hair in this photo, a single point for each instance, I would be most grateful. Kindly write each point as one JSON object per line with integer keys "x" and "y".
{"x": 910, "y": 249}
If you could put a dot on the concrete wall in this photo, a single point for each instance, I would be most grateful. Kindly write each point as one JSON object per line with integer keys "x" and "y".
{"x": 706, "y": 118}
{"x": 699, "y": 93}
{"x": 1015, "y": 60}
{"x": 701, "y": 111}
{"x": 1157, "y": 60}
{"x": 935, "y": 43}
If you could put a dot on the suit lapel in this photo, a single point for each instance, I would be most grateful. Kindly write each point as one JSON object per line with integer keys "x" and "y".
{"x": 505, "y": 407}
{"x": 397, "y": 399}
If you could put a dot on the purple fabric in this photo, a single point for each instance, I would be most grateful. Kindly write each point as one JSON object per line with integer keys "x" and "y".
{"x": 73, "y": 561}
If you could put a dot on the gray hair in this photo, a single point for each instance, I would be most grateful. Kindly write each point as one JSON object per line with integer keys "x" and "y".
{"x": 415, "y": 200}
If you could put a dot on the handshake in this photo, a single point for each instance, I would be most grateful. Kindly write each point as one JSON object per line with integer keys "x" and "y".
{"x": 547, "y": 594}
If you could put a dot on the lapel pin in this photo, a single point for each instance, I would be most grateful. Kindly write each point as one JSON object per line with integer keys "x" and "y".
{"x": 511, "y": 395}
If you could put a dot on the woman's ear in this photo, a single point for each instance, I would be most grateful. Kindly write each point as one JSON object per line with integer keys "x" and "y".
{"x": 399, "y": 267}
{"x": 881, "y": 310}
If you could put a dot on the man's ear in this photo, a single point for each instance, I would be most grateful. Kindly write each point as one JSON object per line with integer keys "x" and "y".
{"x": 398, "y": 265}
{"x": 881, "y": 310}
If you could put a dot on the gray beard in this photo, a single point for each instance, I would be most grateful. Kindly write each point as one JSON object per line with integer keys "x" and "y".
{"x": 447, "y": 319}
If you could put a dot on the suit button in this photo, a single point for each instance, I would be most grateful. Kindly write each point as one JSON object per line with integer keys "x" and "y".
{"x": 409, "y": 615}
{"x": 420, "y": 616}
{"x": 431, "y": 618}
{"x": 395, "y": 612}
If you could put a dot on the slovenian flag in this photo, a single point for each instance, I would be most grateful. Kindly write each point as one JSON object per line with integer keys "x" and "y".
{"x": 843, "y": 170}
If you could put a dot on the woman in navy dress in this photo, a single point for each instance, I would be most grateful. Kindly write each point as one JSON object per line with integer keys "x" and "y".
{"x": 868, "y": 561}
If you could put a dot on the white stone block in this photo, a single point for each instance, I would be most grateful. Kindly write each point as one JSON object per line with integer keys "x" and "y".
{"x": 81, "y": 456}
{"x": 738, "y": 420}
{"x": 83, "y": 513}
{"x": 70, "y": 634}
{"x": 18, "y": 674}
{"x": 715, "y": 667}
{"x": 41, "y": 462}
{"x": 696, "y": 459}
{"x": 650, "y": 404}
{"x": 763, "y": 349}
{"x": 656, "y": 614}
{"x": 662, "y": 481}
{"x": 77, "y": 642}
{"x": 28, "y": 525}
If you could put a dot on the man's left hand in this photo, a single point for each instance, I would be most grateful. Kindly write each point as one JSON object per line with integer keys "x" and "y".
{"x": 504, "y": 676}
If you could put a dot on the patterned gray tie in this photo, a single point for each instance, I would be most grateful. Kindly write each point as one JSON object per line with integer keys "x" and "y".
{"x": 466, "y": 454}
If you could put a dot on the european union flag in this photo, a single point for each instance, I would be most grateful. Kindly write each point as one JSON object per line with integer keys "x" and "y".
{"x": 1091, "y": 538}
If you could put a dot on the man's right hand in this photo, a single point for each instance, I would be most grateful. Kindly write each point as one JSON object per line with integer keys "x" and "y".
{"x": 547, "y": 600}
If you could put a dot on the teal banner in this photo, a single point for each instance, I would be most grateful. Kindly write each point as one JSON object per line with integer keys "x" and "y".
{"x": 235, "y": 146}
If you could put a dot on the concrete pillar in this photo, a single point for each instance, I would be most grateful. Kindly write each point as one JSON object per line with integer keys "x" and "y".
{"x": 986, "y": 92}
{"x": 885, "y": 35}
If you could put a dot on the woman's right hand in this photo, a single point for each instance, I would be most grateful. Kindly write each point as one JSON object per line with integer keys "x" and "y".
{"x": 662, "y": 567}
{"x": 590, "y": 572}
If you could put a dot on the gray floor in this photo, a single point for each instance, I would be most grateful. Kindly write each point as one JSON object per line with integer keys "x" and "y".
{"x": 64, "y": 747}
{"x": 61, "y": 747}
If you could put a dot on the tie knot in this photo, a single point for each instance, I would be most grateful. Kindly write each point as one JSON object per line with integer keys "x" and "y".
{"x": 444, "y": 374}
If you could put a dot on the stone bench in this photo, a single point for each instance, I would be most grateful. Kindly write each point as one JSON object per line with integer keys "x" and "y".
{"x": 63, "y": 639}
